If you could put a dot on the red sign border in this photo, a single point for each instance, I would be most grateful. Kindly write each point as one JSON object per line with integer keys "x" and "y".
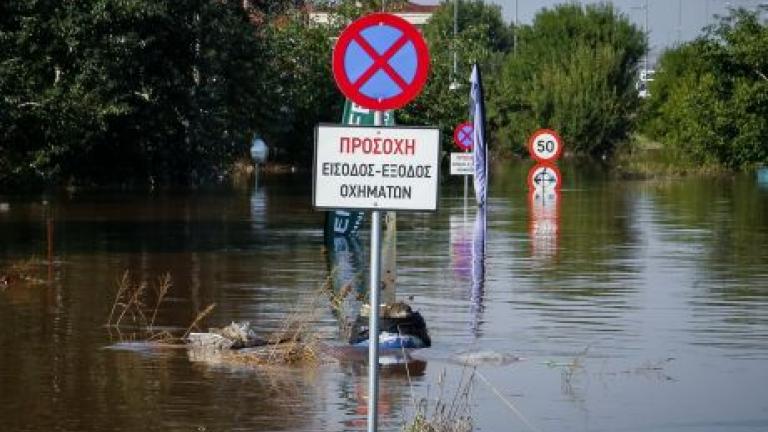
{"x": 553, "y": 167}
{"x": 532, "y": 220}
{"x": 538, "y": 132}
{"x": 456, "y": 135}
{"x": 422, "y": 66}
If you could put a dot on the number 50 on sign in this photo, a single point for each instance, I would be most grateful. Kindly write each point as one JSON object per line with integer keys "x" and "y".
{"x": 545, "y": 145}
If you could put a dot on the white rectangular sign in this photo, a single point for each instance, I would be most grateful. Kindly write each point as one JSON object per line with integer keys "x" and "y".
{"x": 376, "y": 168}
{"x": 462, "y": 164}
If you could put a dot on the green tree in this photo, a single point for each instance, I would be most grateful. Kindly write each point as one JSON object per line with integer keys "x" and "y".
{"x": 709, "y": 102}
{"x": 483, "y": 37}
{"x": 574, "y": 72}
{"x": 101, "y": 90}
{"x": 298, "y": 86}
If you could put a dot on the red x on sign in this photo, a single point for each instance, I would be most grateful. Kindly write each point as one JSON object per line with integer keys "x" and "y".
{"x": 462, "y": 136}
{"x": 380, "y": 62}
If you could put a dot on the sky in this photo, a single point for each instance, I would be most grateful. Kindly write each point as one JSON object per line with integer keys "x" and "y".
{"x": 669, "y": 21}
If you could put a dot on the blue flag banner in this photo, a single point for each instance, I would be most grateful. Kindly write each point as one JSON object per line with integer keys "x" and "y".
{"x": 477, "y": 117}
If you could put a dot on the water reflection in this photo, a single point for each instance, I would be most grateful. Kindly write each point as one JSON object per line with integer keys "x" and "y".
{"x": 467, "y": 246}
{"x": 347, "y": 278}
{"x": 258, "y": 205}
{"x": 477, "y": 295}
{"x": 461, "y": 246}
{"x": 395, "y": 397}
{"x": 722, "y": 222}
{"x": 658, "y": 280}
{"x": 544, "y": 208}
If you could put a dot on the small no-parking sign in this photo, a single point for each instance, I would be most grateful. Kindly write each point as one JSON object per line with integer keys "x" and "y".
{"x": 463, "y": 135}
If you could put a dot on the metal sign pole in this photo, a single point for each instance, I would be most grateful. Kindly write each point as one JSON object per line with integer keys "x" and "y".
{"x": 373, "y": 317}
{"x": 466, "y": 187}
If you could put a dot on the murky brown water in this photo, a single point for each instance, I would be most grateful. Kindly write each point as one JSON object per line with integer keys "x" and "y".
{"x": 637, "y": 306}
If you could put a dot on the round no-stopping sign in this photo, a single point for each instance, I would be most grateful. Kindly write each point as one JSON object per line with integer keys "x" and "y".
{"x": 380, "y": 62}
{"x": 544, "y": 177}
{"x": 463, "y": 136}
{"x": 545, "y": 145}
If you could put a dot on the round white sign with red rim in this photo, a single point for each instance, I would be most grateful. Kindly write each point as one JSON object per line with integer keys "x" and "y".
{"x": 381, "y": 62}
{"x": 544, "y": 177}
{"x": 463, "y": 135}
{"x": 545, "y": 145}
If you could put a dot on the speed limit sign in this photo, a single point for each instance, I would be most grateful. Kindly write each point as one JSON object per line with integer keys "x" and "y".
{"x": 545, "y": 145}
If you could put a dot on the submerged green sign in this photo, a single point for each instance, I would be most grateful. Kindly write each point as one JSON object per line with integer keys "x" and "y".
{"x": 356, "y": 115}
{"x": 340, "y": 222}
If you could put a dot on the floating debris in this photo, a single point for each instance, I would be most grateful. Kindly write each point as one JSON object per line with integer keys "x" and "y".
{"x": 400, "y": 327}
{"x": 241, "y": 335}
{"x": 493, "y": 358}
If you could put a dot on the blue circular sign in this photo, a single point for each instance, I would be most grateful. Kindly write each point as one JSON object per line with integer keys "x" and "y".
{"x": 463, "y": 136}
{"x": 381, "y": 62}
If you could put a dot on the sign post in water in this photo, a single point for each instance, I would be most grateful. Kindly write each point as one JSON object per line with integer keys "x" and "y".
{"x": 545, "y": 145}
{"x": 380, "y": 62}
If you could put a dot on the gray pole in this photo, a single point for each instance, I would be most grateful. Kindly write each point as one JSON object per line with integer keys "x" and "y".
{"x": 373, "y": 317}
{"x": 648, "y": 41}
{"x": 679, "y": 21}
{"x": 515, "y": 33}
{"x": 455, "y": 34}
{"x": 455, "y": 68}
{"x": 706, "y": 10}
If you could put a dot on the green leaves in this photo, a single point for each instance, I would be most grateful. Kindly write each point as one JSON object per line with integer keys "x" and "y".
{"x": 126, "y": 90}
{"x": 482, "y": 37}
{"x": 297, "y": 88}
{"x": 574, "y": 72}
{"x": 709, "y": 102}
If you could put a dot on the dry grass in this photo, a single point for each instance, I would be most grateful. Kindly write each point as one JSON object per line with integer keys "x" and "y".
{"x": 295, "y": 343}
{"x": 644, "y": 159}
{"x": 133, "y": 317}
{"x": 21, "y": 271}
{"x": 338, "y": 300}
{"x": 199, "y": 317}
{"x": 449, "y": 412}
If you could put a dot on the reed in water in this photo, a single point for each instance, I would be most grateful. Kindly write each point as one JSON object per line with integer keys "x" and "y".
{"x": 134, "y": 313}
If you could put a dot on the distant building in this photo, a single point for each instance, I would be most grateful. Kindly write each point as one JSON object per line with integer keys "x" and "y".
{"x": 415, "y": 14}
{"x": 644, "y": 82}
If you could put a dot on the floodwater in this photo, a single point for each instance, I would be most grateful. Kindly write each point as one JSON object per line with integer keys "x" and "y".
{"x": 632, "y": 306}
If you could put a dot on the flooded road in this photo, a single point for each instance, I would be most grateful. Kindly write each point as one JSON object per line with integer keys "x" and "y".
{"x": 632, "y": 305}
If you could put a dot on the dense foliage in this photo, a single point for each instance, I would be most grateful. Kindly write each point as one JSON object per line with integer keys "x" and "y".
{"x": 154, "y": 90}
{"x": 298, "y": 87}
{"x": 709, "y": 102}
{"x": 574, "y": 71}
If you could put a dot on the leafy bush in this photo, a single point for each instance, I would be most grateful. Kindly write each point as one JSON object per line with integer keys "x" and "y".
{"x": 709, "y": 102}
{"x": 149, "y": 90}
{"x": 482, "y": 38}
{"x": 574, "y": 71}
